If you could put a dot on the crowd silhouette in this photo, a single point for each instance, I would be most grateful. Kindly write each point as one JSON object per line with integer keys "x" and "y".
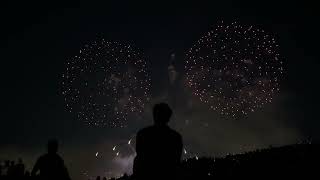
{"x": 49, "y": 166}
{"x": 159, "y": 150}
{"x": 11, "y": 170}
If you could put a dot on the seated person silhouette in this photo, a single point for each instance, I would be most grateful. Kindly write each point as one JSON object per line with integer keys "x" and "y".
{"x": 51, "y": 165}
{"x": 158, "y": 147}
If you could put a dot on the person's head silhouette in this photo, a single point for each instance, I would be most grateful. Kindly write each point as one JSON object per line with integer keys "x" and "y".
{"x": 161, "y": 114}
{"x": 20, "y": 161}
{"x": 52, "y": 146}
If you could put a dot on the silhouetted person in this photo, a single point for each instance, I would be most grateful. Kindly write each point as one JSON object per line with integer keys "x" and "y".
{"x": 5, "y": 168}
{"x": 27, "y": 175}
{"x": 19, "y": 169}
{"x": 0, "y": 170}
{"x": 51, "y": 165}
{"x": 158, "y": 147}
{"x": 104, "y": 178}
{"x": 11, "y": 169}
{"x": 98, "y": 178}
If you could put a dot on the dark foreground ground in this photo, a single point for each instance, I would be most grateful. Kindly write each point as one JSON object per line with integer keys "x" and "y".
{"x": 287, "y": 162}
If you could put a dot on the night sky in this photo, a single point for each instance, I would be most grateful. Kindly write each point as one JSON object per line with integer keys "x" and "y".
{"x": 39, "y": 39}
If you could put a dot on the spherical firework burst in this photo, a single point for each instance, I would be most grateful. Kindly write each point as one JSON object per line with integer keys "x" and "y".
{"x": 106, "y": 83}
{"x": 234, "y": 69}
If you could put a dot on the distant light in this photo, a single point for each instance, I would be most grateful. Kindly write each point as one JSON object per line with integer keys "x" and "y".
{"x": 97, "y": 153}
{"x": 129, "y": 142}
{"x": 114, "y": 148}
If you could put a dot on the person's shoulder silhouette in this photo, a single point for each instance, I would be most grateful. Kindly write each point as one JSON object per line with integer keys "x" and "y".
{"x": 51, "y": 165}
{"x": 158, "y": 147}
